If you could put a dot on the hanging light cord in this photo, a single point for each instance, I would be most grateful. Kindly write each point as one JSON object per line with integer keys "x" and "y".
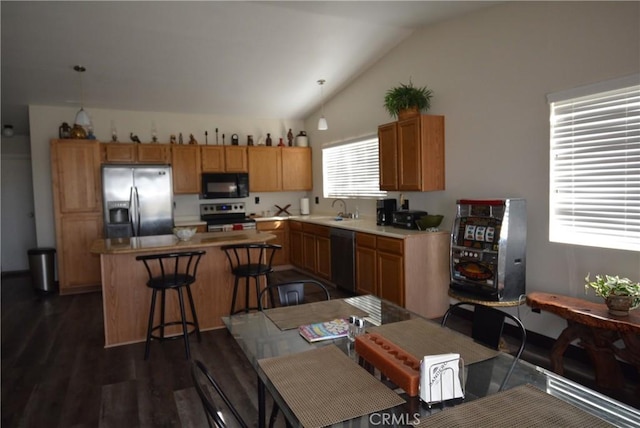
{"x": 80, "y": 69}
{"x": 321, "y": 83}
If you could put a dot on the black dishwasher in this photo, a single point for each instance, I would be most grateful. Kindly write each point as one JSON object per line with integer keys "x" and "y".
{"x": 343, "y": 258}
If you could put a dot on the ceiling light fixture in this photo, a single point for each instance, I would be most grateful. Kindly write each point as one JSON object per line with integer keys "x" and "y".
{"x": 82, "y": 117}
{"x": 322, "y": 122}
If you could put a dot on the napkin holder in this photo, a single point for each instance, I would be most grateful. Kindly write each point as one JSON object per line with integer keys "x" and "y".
{"x": 440, "y": 378}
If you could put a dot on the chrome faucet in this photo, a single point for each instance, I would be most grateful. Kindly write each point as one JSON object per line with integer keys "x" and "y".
{"x": 344, "y": 208}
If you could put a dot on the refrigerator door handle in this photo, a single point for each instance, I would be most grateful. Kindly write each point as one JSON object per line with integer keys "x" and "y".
{"x": 133, "y": 230}
{"x": 137, "y": 203}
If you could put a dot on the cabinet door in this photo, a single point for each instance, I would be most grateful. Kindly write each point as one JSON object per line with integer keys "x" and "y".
{"x": 153, "y": 153}
{"x": 432, "y": 141}
{"x": 212, "y": 158}
{"x": 78, "y": 268}
{"x": 390, "y": 274}
{"x": 119, "y": 153}
{"x": 185, "y": 160}
{"x": 295, "y": 247}
{"x": 76, "y": 176}
{"x": 265, "y": 169}
{"x": 409, "y": 155}
{"x": 323, "y": 257}
{"x": 366, "y": 271}
{"x": 280, "y": 229}
{"x": 235, "y": 159}
{"x": 309, "y": 252}
{"x": 296, "y": 168}
{"x": 388, "y": 156}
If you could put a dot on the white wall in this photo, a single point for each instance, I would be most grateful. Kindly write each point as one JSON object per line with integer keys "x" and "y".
{"x": 490, "y": 72}
{"x": 45, "y": 120}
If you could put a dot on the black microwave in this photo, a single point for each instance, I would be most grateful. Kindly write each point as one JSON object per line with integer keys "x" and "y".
{"x": 225, "y": 185}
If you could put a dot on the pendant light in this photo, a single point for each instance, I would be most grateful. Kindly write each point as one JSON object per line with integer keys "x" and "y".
{"x": 322, "y": 122}
{"x": 82, "y": 117}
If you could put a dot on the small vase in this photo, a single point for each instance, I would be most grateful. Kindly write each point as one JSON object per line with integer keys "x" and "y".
{"x": 619, "y": 305}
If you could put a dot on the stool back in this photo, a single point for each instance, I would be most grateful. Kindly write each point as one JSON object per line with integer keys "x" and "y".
{"x": 172, "y": 269}
{"x": 250, "y": 260}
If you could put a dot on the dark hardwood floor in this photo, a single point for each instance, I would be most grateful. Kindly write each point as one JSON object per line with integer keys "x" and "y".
{"x": 57, "y": 373}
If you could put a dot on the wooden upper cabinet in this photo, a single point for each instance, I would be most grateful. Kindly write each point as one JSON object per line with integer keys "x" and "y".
{"x": 265, "y": 169}
{"x": 418, "y": 158}
{"x": 296, "y": 168}
{"x": 153, "y": 153}
{"x": 224, "y": 159}
{"x": 212, "y": 158}
{"x": 388, "y": 156}
{"x": 275, "y": 169}
{"x": 76, "y": 176}
{"x": 185, "y": 162}
{"x": 235, "y": 159}
{"x": 134, "y": 153}
{"x": 118, "y": 153}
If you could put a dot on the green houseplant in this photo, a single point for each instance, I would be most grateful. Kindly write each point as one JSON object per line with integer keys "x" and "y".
{"x": 407, "y": 97}
{"x": 615, "y": 290}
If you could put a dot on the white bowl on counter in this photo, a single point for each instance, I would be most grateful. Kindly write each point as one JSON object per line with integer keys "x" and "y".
{"x": 184, "y": 233}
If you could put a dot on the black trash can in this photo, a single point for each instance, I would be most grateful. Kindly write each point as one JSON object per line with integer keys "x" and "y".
{"x": 41, "y": 264}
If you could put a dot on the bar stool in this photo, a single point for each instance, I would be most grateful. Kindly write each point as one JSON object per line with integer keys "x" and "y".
{"x": 249, "y": 261}
{"x": 177, "y": 271}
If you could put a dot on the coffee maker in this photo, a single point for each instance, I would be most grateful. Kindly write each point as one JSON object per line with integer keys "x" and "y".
{"x": 384, "y": 211}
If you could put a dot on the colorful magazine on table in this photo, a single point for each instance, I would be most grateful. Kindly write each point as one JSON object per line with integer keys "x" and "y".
{"x": 325, "y": 330}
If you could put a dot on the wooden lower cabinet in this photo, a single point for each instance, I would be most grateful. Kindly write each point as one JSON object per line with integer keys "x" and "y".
{"x": 380, "y": 267}
{"x": 295, "y": 244}
{"x": 310, "y": 248}
{"x": 366, "y": 272}
{"x": 79, "y": 270}
{"x": 411, "y": 272}
{"x": 281, "y": 230}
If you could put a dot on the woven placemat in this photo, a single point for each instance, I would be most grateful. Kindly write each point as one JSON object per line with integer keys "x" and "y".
{"x": 523, "y": 406}
{"x": 289, "y": 317}
{"x": 420, "y": 337}
{"x": 324, "y": 386}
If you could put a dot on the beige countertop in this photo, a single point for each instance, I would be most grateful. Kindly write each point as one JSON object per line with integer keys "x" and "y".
{"x": 367, "y": 225}
{"x": 172, "y": 243}
{"x": 363, "y": 224}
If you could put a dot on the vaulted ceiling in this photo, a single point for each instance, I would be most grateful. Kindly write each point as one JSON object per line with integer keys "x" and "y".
{"x": 238, "y": 58}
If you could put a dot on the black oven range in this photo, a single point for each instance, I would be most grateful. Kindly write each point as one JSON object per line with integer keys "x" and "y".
{"x": 224, "y": 217}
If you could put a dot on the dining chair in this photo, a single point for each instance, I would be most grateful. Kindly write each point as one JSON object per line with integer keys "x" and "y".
{"x": 289, "y": 294}
{"x": 292, "y": 293}
{"x": 487, "y": 327}
{"x": 210, "y": 394}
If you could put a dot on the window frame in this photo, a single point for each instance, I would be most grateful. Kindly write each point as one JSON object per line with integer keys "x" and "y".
{"x": 368, "y": 143}
{"x": 594, "y": 165}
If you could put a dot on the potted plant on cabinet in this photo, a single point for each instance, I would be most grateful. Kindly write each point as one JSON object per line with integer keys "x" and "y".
{"x": 620, "y": 294}
{"x": 407, "y": 101}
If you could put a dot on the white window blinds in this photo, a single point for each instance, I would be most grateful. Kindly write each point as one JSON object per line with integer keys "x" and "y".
{"x": 595, "y": 167}
{"x": 351, "y": 170}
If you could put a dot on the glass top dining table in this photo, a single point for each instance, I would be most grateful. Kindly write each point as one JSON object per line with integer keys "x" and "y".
{"x": 260, "y": 339}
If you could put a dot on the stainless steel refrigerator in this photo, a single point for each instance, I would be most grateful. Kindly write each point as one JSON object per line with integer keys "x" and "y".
{"x": 137, "y": 199}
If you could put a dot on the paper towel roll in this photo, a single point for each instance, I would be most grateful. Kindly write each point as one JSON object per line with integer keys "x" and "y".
{"x": 304, "y": 206}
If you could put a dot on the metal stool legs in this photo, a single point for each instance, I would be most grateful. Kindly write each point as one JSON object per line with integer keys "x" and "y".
{"x": 183, "y": 320}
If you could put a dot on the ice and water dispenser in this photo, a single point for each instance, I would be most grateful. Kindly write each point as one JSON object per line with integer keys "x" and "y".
{"x": 488, "y": 249}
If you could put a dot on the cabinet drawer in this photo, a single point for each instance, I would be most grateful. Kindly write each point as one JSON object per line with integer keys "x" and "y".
{"x": 295, "y": 225}
{"x": 365, "y": 240}
{"x": 390, "y": 245}
{"x": 271, "y": 225}
{"x": 316, "y": 229}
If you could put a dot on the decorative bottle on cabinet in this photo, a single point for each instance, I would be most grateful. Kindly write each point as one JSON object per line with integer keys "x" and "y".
{"x": 268, "y": 139}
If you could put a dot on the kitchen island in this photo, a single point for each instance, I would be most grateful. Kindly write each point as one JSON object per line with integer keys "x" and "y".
{"x": 126, "y": 298}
